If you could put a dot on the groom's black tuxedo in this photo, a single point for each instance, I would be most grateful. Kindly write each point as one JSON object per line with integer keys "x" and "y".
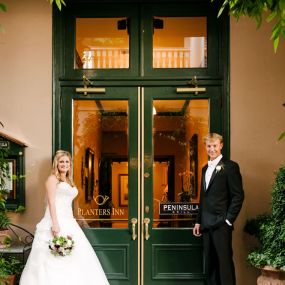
{"x": 223, "y": 198}
{"x": 220, "y": 202}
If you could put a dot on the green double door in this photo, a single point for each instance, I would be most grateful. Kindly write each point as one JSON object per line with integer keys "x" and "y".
{"x": 136, "y": 150}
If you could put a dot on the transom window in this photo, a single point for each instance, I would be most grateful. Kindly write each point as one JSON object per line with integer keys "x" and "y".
{"x": 102, "y": 43}
{"x": 179, "y": 42}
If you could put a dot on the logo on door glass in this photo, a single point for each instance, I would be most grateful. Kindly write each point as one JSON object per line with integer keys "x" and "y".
{"x": 101, "y": 200}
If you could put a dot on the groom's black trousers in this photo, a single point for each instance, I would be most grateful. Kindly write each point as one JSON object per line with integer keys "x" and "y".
{"x": 219, "y": 255}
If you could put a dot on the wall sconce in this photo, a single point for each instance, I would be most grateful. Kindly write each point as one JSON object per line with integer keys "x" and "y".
{"x": 157, "y": 24}
{"x": 124, "y": 24}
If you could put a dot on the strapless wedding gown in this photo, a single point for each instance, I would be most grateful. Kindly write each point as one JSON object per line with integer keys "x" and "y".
{"x": 82, "y": 267}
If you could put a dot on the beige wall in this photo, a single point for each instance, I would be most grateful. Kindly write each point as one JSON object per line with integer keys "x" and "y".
{"x": 25, "y": 92}
{"x": 257, "y": 115}
{"x": 257, "y": 118}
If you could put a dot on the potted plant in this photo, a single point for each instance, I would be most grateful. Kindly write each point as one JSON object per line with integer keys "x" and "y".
{"x": 10, "y": 267}
{"x": 269, "y": 229}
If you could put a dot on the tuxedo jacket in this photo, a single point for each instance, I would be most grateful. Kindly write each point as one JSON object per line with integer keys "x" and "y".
{"x": 223, "y": 198}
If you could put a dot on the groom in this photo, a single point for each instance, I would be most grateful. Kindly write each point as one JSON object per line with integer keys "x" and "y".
{"x": 220, "y": 202}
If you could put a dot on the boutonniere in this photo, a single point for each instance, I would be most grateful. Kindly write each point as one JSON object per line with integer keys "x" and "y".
{"x": 219, "y": 167}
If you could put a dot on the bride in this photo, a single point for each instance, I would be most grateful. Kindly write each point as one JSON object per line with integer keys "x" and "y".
{"x": 82, "y": 265}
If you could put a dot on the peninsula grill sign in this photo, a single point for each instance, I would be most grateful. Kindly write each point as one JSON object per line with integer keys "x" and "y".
{"x": 174, "y": 208}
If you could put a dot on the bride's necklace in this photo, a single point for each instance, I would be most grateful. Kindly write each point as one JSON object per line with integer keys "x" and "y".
{"x": 62, "y": 179}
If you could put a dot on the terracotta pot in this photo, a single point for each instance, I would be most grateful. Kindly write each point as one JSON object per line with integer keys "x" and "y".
{"x": 9, "y": 280}
{"x": 271, "y": 276}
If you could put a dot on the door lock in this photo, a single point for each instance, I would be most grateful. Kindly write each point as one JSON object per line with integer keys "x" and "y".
{"x": 146, "y": 175}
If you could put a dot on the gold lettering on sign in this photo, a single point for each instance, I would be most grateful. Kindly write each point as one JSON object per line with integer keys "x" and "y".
{"x": 118, "y": 212}
{"x": 100, "y": 212}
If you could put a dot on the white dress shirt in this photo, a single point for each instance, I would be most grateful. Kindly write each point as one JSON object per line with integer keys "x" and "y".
{"x": 212, "y": 164}
{"x": 211, "y": 167}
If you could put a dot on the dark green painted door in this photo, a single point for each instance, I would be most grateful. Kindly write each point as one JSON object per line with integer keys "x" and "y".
{"x": 173, "y": 129}
{"x": 153, "y": 137}
{"x": 101, "y": 131}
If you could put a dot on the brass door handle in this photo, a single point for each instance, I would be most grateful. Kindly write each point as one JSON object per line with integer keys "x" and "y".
{"x": 134, "y": 221}
{"x": 146, "y": 223}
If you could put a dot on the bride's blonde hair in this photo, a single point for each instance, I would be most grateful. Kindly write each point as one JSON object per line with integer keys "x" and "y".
{"x": 58, "y": 155}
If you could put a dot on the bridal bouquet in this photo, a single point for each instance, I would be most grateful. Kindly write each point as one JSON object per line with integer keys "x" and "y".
{"x": 61, "y": 245}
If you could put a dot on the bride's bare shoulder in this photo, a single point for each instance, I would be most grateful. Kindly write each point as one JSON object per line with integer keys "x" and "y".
{"x": 52, "y": 180}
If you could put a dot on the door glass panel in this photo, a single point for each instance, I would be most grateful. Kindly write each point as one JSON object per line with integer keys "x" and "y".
{"x": 179, "y": 42}
{"x": 100, "y": 151}
{"x": 179, "y": 154}
{"x": 102, "y": 43}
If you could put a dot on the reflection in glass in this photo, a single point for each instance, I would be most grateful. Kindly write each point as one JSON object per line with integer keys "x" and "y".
{"x": 100, "y": 151}
{"x": 180, "y": 42}
{"x": 179, "y": 154}
{"x": 102, "y": 43}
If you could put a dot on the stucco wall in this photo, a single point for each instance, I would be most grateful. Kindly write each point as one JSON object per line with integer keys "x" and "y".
{"x": 257, "y": 115}
{"x": 26, "y": 92}
{"x": 257, "y": 118}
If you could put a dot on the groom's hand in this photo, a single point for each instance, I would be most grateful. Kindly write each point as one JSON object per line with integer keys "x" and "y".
{"x": 196, "y": 230}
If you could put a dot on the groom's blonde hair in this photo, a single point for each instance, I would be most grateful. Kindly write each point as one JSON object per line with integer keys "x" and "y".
{"x": 213, "y": 136}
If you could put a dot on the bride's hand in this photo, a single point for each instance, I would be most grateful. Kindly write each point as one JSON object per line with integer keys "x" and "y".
{"x": 55, "y": 230}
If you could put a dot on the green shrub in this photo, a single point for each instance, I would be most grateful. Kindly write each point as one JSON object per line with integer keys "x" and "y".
{"x": 269, "y": 229}
{"x": 9, "y": 266}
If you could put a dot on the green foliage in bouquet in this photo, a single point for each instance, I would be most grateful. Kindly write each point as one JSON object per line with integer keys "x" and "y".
{"x": 61, "y": 245}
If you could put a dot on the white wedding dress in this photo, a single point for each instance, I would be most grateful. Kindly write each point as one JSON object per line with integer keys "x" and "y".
{"x": 82, "y": 267}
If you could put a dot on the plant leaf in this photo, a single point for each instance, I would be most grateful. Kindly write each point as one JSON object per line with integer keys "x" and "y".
{"x": 275, "y": 44}
{"x": 258, "y": 20}
{"x": 222, "y": 9}
{"x": 282, "y": 5}
{"x": 58, "y": 4}
{"x": 282, "y": 136}
{"x": 271, "y": 17}
{"x": 3, "y": 7}
{"x": 276, "y": 31}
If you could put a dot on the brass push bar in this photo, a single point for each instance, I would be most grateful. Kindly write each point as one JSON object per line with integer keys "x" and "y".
{"x": 196, "y": 90}
{"x": 85, "y": 90}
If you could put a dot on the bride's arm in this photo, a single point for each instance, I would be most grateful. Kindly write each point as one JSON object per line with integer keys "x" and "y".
{"x": 51, "y": 189}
